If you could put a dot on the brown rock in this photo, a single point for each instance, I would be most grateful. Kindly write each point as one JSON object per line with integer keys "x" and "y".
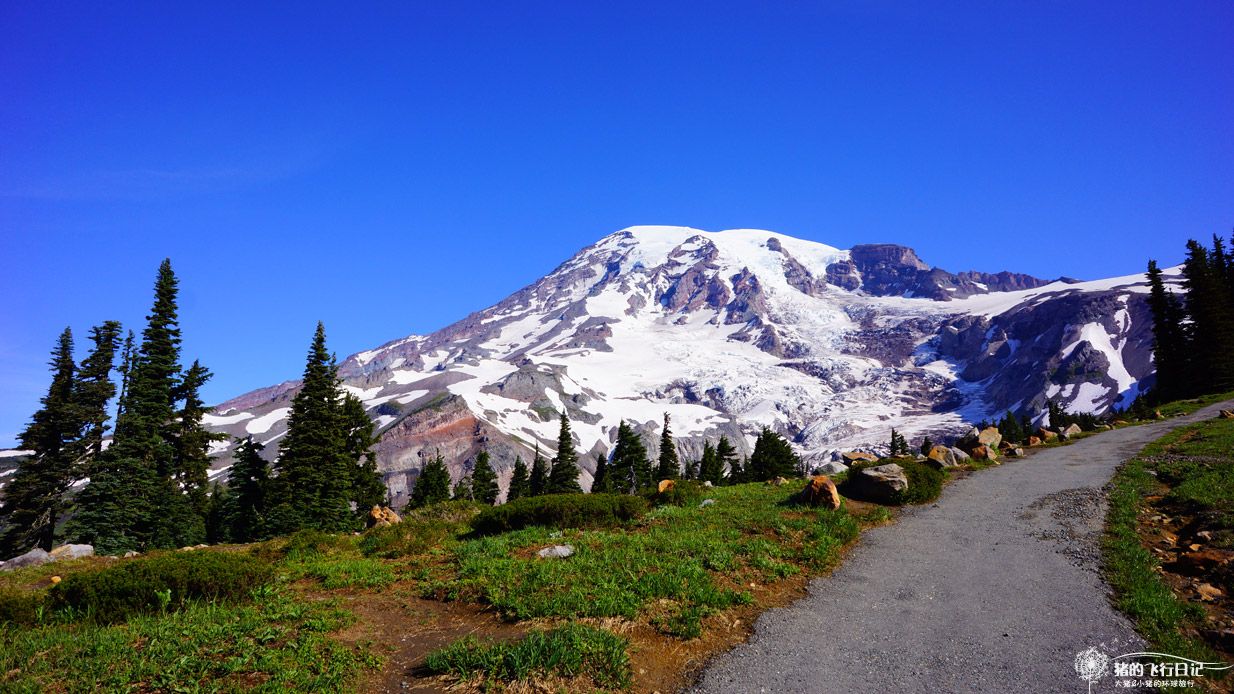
{"x": 665, "y": 485}
{"x": 857, "y": 456}
{"x": 1209, "y": 592}
{"x": 1196, "y": 563}
{"x": 941, "y": 457}
{"x": 1073, "y": 430}
{"x": 55, "y": 580}
{"x": 821, "y": 490}
{"x": 990, "y": 437}
{"x": 1120, "y": 422}
{"x": 382, "y": 517}
{"x": 777, "y": 482}
{"x": 983, "y": 453}
{"x": 1157, "y": 414}
{"x": 1046, "y": 435}
{"x": 1225, "y": 414}
{"x": 1034, "y": 441}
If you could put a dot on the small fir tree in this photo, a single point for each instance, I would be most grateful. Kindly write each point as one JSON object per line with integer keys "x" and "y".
{"x": 563, "y": 477}
{"x": 670, "y": 465}
{"x": 520, "y": 481}
{"x": 773, "y": 457}
{"x": 484, "y": 481}
{"x": 433, "y": 484}
{"x": 539, "y": 474}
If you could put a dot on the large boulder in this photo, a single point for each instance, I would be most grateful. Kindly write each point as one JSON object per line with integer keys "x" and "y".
{"x": 1034, "y": 441}
{"x": 72, "y": 552}
{"x": 941, "y": 457}
{"x": 1226, "y": 414}
{"x": 1072, "y": 430}
{"x": 820, "y": 490}
{"x": 382, "y": 517}
{"x": 851, "y": 457}
{"x": 881, "y": 484}
{"x": 990, "y": 437}
{"x": 35, "y": 557}
{"x": 1047, "y": 435}
{"x": 961, "y": 456}
{"x": 983, "y": 452}
{"x": 831, "y": 467}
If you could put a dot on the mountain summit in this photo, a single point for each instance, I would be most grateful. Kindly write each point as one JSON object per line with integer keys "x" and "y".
{"x": 729, "y": 332}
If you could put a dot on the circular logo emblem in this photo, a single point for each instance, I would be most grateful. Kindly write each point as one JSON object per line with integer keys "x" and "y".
{"x": 1091, "y": 664}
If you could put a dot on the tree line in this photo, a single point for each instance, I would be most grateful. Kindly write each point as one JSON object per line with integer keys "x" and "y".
{"x": 1193, "y": 333}
{"x": 149, "y": 488}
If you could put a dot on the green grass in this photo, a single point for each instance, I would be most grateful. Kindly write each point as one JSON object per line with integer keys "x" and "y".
{"x": 574, "y": 650}
{"x": 699, "y": 559}
{"x": 1189, "y": 461}
{"x": 1189, "y": 406}
{"x": 276, "y": 643}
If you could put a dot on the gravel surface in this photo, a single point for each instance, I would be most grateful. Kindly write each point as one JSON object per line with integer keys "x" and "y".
{"x": 993, "y": 589}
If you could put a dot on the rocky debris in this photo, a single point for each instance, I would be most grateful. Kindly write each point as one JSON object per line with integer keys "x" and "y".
{"x": 708, "y": 484}
{"x": 942, "y": 457}
{"x": 1157, "y": 414}
{"x": 556, "y": 552}
{"x": 1046, "y": 435}
{"x": 665, "y": 485}
{"x": 1209, "y": 592}
{"x": 982, "y": 452}
{"x": 990, "y": 436}
{"x": 72, "y": 552}
{"x": 1034, "y": 441}
{"x": 35, "y": 557}
{"x": 1072, "y": 430}
{"x": 820, "y": 490}
{"x": 1120, "y": 422}
{"x": 1225, "y": 414}
{"x": 193, "y": 548}
{"x": 831, "y": 467}
{"x": 1201, "y": 562}
{"x": 880, "y": 484}
{"x": 706, "y": 502}
{"x": 131, "y": 553}
{"x": 851, "y": 457}
{"x": 382, "y": 517}
{"x": 1081, "y": 514}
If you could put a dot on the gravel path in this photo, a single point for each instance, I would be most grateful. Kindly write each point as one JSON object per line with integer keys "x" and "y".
{"x": 993, "y": 589}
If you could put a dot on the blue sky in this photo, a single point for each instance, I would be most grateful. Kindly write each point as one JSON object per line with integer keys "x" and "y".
{"x": 389, "y": 167}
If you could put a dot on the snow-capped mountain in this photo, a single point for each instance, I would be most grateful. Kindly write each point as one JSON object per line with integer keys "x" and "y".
{"x": 728, "y": 332}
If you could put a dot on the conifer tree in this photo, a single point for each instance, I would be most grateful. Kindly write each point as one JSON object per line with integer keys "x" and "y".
{"x": 484, "y": 480}
{"x": 773, "y": 457}
{"x": 33, "y": 499}
{"x": 1170, "y": 352}
{"x": 1211, "y": 333}
{"x": 692, "y": 469}
{"x": 433, "y": 484}
{"x": 192, "y": 440}
{"x": 629, "y": 469}
{"x": 313, "y": 467}
{"x": 899, "y": 445}
{"x": 709, "y": 464}
{"x": 368, "y": 489}
{"x": 248, "y": 482}
{"x": 539, "y": 475}
{"x": 602, "y": 483}
{"x": 927, "y": 445}
{"x": 563, "y": 477}
{"x": 726, "y": 459}
{"x": 520, "y": 481}
{"x": 127, "y": 354}
{"x": 737, "y": 472}
{"x": 93, "y": 389}
{"x": 464, "y": 490}
{"x": 670, "y": 465}
{"x": 220, "y": 515}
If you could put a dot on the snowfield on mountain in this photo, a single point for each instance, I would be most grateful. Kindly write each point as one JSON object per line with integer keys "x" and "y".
{"x": 728, "y": 332}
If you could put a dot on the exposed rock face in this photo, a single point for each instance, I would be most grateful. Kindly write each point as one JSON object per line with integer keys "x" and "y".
{"x": 729, "y": 332}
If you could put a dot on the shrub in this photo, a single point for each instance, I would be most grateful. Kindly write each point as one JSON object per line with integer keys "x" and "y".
{"x": 560, "y": 511}
{"x": 682, "y": 493}
{"x": 568, "y": 651}
{"x": 166, "y": 581}
{"x": 924, "y": 482}
{"x": 310, "y": 542}
{"x": 19, "y": 607}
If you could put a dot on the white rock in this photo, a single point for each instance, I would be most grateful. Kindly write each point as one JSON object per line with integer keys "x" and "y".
{"x": 556, "y": 552}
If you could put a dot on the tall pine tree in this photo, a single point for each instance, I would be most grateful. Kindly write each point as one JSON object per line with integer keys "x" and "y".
{"x": 539, "y": 475}
{"x": 484, "y": 480}
{"x": 629, "y": 469}
{"x": 773, "y": 457}
{"x": 670, "y": 466}
{"x": 520, "y": 481}
{"x": 1171, "y": 355}
{"x": 248, "y": 482}
{"x": 33, "y": 500}
{"x": 602, "y": 483}
{"x": 94, "y": 389}
{"x": 726, "y": 459}
{"x": 368, "y": 488}
{"x": 563, "y": 477}
{"x": 433, "y": 484}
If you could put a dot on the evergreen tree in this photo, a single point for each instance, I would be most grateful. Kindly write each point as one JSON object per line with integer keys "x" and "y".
{"x": 93, "y": 389}
{"x": 484, "y": 480}
{"x": 539, "y": 475}
{"x": 127, "y": 354}
{"x": 602, "y": 483}
{"x": 629, "y": 469}
{"x": 709, "y": 465}
{"x": 738, "y": 472}
{"x": 773, "y": 457}
{"x": 33, "y": 499}
{"x": 926, "y": 446}
{"x": 464, "y": 490}
{"x": 313, "y": 466}
{"x": 726, "y": 459}
{"x": 670, "y": 465}
{"x": 248, "y": 482}
{"x": 1170, "y": 351}
{"x": 1010, "y": 428}
{"x": 563, "y": 477}
{"x": 368, "y": 489}
{"x": 520, "y": 481}
{"x": 192, "y": 440}
{"x": 134, "y": 499}
{"x": 1211, "y": 331}
{"x": 898, "y": 446}
{"x": 220, "y": 515}
{"x": 433, "y": 484}
{"x": 692, "y": 469}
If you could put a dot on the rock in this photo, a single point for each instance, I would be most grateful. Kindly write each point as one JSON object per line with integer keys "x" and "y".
{"x": 55, "y": 580}
{"x": 1203, "y": 561}
{"x": 941, "y": 457}
{"x": 858, "y": 456}
{"x": 556, "y": 552}
{"x": 831, "y": 468}
{"x": 1104, "y": 427}
{"x": 881, "y": 483}
{"x": 131, "y": 553}
{"x": 708, "y": 484}
{"x": 1017, "y": 452}
{"x": 1046, "y": 435}
{"x": 1226, "y": 414}
{"x": 779, "y": 481}
{"x": 990, "y": 437}
{"x": 706, "y": 502}
{"x": 382, "y": 517}
{"x": 1006, "y": 446}
{"x": 961, "y": 456}
{"x": 35, "y": 557}
{"x": 1157, "y": 414}
{"x": 1073, "y": 430}
{"x": 1120, "y": 422}
{"x": 1208, "y": 592}
{"x": 665, "y": 485}
{"x": 72, "y": 552}
{"x": 982, "y": 452}
{"x": 1034, "y": 441}
{"x": 820, "y": 490}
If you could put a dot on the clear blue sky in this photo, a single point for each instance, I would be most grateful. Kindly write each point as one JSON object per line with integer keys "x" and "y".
{"x": 389, "y": 167}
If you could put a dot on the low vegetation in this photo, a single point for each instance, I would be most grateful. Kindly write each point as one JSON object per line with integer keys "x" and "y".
{"x": 571, "y": 651}
{"x": 560, "y": 511}
{"x": 1175, "y": 497}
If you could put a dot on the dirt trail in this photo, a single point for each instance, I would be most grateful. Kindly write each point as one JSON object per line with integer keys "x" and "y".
{"x": 993, "y": 589}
